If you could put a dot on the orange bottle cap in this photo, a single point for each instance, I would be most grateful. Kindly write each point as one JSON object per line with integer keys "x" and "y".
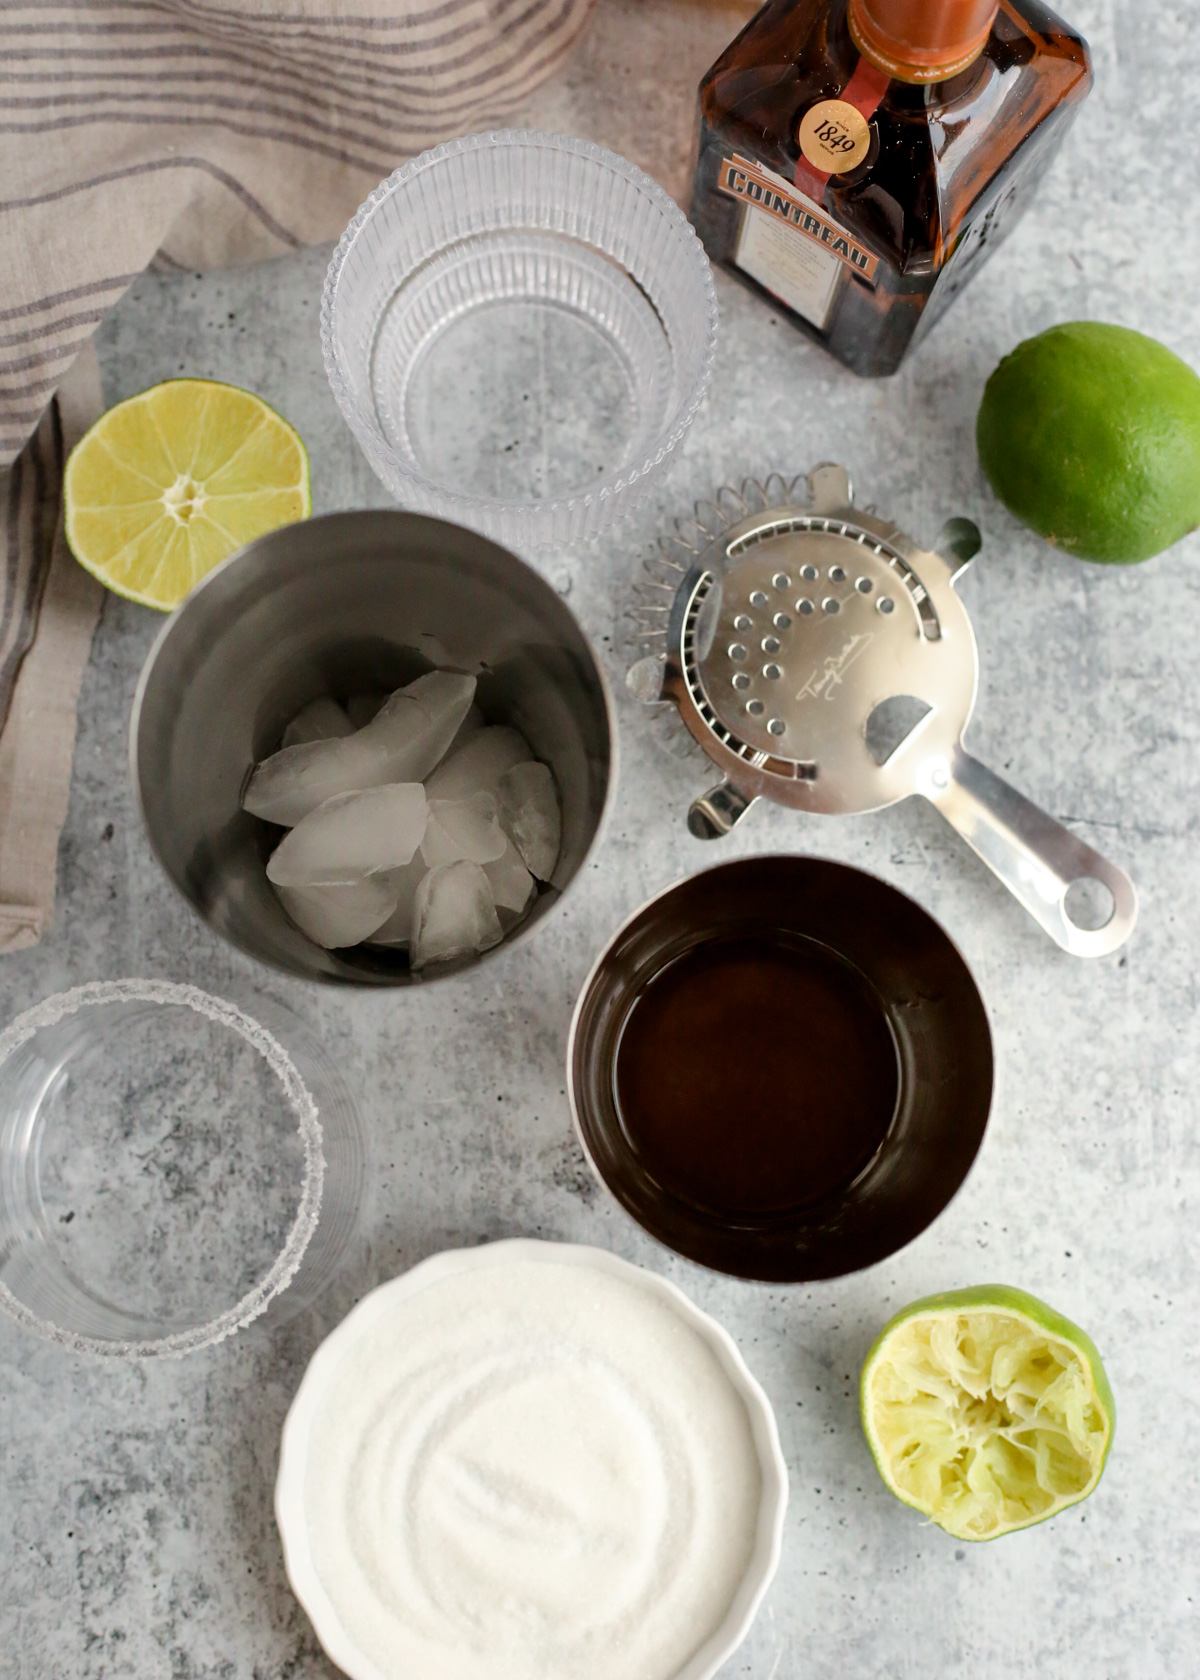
{"x": 921, "y": 40}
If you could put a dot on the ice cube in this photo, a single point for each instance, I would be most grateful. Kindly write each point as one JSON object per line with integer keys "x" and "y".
{"x": 351, "y": 835}
{"x": 336, "y": 916}
{"x": 470, "y": 725}
{"x": 445, "y": 697}
{"x": 397, "y": 930}
{"x": 463, "y": 828}
{"x": 416, "y": 725}
{"x": 294, "y": 781}
{"x": 512, "y": 884}
{"x": 321, "y": 720}
{"x": 529, "y": 811}
{"x": 478, "y": 765}
{"x": 454, "y": 914}
{"x": 402, "y": 744}
{"x": 361, "y": 708}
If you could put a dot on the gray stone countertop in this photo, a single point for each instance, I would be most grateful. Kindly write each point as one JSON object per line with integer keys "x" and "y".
{"x": 137, "y": 1535}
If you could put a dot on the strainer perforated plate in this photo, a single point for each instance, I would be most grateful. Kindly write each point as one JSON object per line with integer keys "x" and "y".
{"x": 822, "y": 659}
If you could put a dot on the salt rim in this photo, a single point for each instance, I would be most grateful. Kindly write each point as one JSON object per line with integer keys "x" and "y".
{"x": 300, "y": 1100}
{"x": 614, "y": 484}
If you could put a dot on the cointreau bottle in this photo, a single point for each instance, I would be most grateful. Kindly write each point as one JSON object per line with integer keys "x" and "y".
{"x": 860, "y": 159}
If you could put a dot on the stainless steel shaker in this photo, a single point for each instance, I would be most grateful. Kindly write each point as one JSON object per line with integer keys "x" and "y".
{"x": 334, "y": 605}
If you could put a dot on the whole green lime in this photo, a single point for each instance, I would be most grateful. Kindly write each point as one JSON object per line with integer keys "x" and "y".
{"x": 1090, "y": 434}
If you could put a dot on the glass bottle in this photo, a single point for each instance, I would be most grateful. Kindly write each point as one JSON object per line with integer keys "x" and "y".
{"x": 860, "y": 159}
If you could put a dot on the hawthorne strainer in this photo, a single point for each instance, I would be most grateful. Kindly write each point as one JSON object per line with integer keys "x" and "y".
{"x": 822, "y": 659}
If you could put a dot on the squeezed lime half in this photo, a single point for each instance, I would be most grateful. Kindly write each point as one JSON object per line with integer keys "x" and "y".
{"x": 986, "y": 1410}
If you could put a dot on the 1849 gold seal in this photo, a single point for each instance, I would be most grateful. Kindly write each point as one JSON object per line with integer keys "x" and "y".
{"x": 834, "y": 136}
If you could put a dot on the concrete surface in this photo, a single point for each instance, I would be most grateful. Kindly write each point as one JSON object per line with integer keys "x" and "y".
{"x": 138, "y": 1537}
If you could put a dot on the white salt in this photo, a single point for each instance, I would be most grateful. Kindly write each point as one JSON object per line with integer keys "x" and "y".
{"x": 528, "y": 1471}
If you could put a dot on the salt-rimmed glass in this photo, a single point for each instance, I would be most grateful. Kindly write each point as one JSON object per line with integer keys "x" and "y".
{"x": 519, "y": 328}
{"x": 173, "y": 1167}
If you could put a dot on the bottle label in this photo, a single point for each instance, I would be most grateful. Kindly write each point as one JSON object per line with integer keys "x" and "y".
{"x": 761, "y": 189}
{"x": 788, "y": 244}
{"x": 794, "y": 270}
{"x": 834, "y": 136}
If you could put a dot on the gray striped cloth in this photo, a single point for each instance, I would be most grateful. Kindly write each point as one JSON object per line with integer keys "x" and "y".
{"x": 185, "y": 135}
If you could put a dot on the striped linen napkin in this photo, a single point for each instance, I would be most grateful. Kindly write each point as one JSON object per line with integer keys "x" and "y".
{"x": 188, "y": 135}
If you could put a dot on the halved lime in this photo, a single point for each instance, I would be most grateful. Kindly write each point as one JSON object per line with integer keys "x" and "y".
{"x": 986, "y": 1410}
{"x": 170, "y": 482}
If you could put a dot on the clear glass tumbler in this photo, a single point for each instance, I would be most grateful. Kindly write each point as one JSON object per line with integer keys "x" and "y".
{"x": 519, "y": 328}
{"x": 172, "y": 1167}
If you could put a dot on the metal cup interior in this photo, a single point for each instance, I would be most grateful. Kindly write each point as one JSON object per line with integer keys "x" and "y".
{"x": 937, "y": 1021}
{"x": 336, "y": 605}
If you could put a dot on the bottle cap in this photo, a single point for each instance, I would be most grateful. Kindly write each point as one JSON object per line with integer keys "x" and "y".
{"x": 921, "y": 40}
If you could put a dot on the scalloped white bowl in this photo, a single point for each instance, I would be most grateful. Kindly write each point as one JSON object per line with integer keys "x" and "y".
{"x": 290, "y": 1506}
{"x": 519, "y": 328}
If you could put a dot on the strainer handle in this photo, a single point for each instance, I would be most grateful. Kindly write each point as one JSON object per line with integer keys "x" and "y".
{"x": 1037, "y": 858}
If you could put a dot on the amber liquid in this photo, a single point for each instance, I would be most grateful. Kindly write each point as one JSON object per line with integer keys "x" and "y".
{"x": 951, "y": 167}
{"x": 755, "y": 1075}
